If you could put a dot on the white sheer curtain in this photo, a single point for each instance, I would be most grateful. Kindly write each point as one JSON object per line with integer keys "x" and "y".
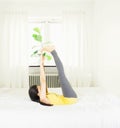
{"x": 75, "y": 48}
{"x": 13, "y": 48}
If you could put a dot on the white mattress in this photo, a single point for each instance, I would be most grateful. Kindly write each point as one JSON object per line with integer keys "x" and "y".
{"x": 96, "y": 109}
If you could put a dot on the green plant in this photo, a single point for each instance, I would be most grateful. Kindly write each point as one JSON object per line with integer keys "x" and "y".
{"x": 38, "y": 38}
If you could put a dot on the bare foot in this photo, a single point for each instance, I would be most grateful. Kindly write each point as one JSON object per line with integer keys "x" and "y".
{"x": 48, "y": 48}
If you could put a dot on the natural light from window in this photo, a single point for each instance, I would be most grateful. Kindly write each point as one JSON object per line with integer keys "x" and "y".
{"x": 51, "y": 30}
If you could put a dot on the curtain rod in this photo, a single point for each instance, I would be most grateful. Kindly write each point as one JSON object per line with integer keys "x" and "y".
{"x": 44, "y": 20}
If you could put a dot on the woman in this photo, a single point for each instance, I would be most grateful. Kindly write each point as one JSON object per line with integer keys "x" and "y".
{"x": 40, "y": 93}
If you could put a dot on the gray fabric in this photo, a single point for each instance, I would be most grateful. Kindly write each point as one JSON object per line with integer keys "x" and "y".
{"x": 65, "y": 85}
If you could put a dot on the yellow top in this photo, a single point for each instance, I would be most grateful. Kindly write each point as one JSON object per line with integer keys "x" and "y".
{"x": 57, "y": 99}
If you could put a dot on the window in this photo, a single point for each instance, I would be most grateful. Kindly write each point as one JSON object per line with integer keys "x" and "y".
{"x": 51, "y": 30}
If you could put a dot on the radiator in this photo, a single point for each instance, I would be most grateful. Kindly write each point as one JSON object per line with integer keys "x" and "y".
{"x": 52, "y": 80}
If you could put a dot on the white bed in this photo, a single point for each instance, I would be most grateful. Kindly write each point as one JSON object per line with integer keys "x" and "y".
{"x": 96, "y": 109}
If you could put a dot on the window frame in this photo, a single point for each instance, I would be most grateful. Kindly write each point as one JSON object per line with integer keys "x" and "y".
{"x": 46, "y": 21}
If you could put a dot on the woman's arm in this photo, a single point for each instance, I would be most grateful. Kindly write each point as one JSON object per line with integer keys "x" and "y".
{"x": 43, "y": 90}
{"x": 42, "y": 78}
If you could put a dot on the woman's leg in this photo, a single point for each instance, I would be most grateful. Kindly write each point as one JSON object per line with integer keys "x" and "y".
{"x": 65, "y": 85}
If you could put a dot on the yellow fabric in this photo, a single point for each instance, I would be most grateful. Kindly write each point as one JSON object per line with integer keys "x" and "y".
{"x": 57, "y": 99}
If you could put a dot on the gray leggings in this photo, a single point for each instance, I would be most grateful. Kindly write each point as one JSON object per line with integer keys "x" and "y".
{"x": 65, "y": 85}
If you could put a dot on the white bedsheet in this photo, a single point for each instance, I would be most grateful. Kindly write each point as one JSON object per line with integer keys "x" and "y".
{"x": 96, "y": 109}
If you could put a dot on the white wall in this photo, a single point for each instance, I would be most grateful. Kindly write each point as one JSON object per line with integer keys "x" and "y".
{"x": 107, "y": 43}
{"x": 55, "y": 8}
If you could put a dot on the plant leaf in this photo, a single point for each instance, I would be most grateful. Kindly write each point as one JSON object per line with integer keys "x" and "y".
{"x": 48, "y": 57}
{"x": 44, "y": 54}
{"x": 37, "y": 37}
{"x": 35, "y": 53}
{"x": 37, "y": 30}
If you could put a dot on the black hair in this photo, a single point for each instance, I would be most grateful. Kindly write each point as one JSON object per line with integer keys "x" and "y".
{"x": 33, "y": 93}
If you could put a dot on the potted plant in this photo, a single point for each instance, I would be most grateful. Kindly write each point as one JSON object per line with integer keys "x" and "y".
{"x": 38, "y": 38}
